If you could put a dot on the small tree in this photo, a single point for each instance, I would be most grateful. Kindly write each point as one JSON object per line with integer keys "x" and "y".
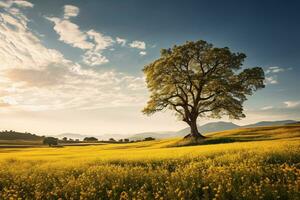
{"x": 149, "y": 138}
{"x": 200, "y": 80}
{"x": 90, "y": 139}
{"x": 65, "y": 139}
{"x": 50, "y": 141}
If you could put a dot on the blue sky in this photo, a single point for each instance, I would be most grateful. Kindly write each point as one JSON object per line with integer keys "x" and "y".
{"x": 79, "y": 63}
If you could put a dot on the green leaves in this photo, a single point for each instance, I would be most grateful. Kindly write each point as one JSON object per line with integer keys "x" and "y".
{"x": 197, "y": 79}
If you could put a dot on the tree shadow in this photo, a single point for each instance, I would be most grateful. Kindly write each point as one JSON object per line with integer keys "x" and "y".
{"x": 220, "y": 140}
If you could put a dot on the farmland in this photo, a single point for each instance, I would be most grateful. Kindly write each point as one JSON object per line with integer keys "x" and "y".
{"x": 252, "y": 163}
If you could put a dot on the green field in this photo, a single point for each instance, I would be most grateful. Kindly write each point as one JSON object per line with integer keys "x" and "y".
{"x": 256, "y": 163}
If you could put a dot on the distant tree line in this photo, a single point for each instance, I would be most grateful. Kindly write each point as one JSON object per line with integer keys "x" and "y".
{"x": 52, "y": 141}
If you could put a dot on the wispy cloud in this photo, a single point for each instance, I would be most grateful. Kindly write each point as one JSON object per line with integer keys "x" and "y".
{"x": 274, "y": 69}
{"x": 291, "y": 104}
{"x": 271, "y": 80}
{"x": 272, "y": 74}
{"x": 18, "y": 3}
{"x": 267, "y": 108}
{"x": 91, "y": 41}
{"x": 70, "y": 33}
{"x": 34, "y": 77}
{"x": 121, "y": 41}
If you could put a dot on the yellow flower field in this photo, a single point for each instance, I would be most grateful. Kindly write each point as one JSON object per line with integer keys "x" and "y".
{"x": 260, "y": 169}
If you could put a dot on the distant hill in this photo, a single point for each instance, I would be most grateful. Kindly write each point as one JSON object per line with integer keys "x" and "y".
{"x": 99, "y": 137}
{"x": 204, "y": 129}
{"x": 13, "y": 135}
{"x": 157, "y": 135}
{"x": 209, "y": 128}
{"x": 271, "y": 123}
{"x": 71, "y": 136}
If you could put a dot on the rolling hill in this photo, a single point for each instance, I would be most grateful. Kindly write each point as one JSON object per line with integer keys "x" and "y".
{"x": 13, "y": 135}
{"x": 204, "y": 129}
{"x": 209, "y": 128}
{"x": 270, "y": 123}
{"x": 261, "y": 160}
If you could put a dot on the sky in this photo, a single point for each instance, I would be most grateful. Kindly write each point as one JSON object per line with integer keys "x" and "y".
{"x": 76, "y": 66}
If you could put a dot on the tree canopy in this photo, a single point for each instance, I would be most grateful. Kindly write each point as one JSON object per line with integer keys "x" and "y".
{"x": 90, "y": 139}
{"x": 197, "y": 79}
{"x": 50, "y": 141}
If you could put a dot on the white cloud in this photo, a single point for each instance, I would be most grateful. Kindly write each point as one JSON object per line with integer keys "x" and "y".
{"x": 270, "y": 80}
{"x": 267, "y": 108}
{"x": 18, "y": 3}
{"x": 91, "y": 41}
{"x": 274, "y": 69}
{"x": 101, "y": 42}
{"x": 33, "y": 77}
{"x": 70, "y": 34}
{"x": 93, "y": 58}
{"x": 23, "y": 3}
{"x": 121, "y": 41}
{"x": 272, "y": 73}
{"x": 291, "y": 104}
{"x": 70, "y": 11}
{"x": 138, "y": 44}
{"x": 143, "y": 53}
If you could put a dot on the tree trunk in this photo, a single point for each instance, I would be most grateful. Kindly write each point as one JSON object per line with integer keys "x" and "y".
{"x": 194, "y": 131}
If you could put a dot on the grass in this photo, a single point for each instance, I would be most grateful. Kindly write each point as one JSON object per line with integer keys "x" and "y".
{"x": 257, "y": 163}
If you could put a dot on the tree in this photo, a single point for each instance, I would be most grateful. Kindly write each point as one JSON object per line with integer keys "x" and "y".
{"x": 197, "y": 79}
{"x": 90, "y": 139}
{"x": 50, "y": 141}
{"x": 149, "y": 138}
{"x": 65, "y": 139}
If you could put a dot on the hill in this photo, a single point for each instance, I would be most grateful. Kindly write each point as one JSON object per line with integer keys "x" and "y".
{"x": 99, "y": 137}
{"x": 270, "y": 123}
{"x": 209, "y": 128}
{"x": 260, "y": 133}
{"x": 157, "y": 135}
{"x": 13, "y": 135}
{"x": 71, "y": 136}
{"x": 204, "y": 129}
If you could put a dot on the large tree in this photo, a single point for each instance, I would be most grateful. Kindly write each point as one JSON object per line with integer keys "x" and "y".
{"x": 197, "y": 79}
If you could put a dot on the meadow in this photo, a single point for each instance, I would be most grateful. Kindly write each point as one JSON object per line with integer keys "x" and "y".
{"x": 254, "y": 163}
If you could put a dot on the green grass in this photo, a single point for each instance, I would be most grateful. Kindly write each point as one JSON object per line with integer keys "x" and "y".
{"x": 257, "y": 163}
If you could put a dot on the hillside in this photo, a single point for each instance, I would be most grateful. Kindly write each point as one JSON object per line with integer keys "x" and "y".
{"x": 13, "y": 135}
{"x": 260, "y": 133}
{"x": 270, "y": 123}
{"x": 208, "y": 128}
